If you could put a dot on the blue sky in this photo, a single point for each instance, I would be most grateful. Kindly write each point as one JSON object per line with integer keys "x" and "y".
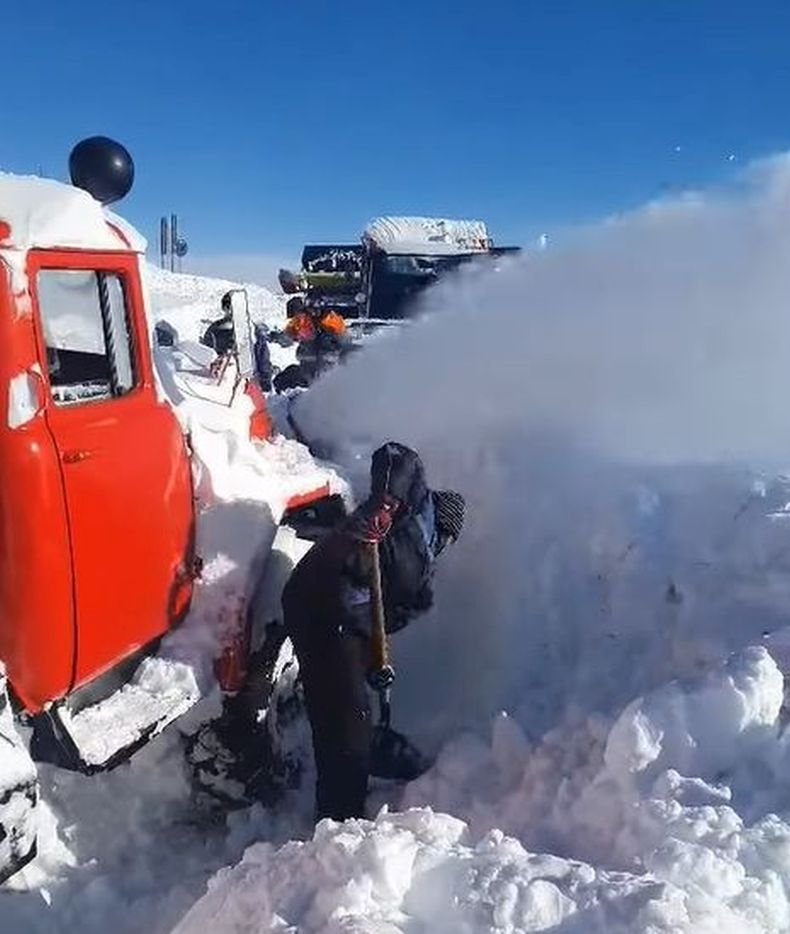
{"x": 268, "y": 123}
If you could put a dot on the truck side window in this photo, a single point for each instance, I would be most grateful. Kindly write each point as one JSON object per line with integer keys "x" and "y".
{"x": 86, "y": 332}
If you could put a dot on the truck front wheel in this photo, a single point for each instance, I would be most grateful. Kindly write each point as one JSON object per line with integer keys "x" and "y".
{"x": 18, "y": 793}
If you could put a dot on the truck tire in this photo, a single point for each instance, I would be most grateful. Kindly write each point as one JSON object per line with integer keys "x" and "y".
{"x": 18, "y": 793}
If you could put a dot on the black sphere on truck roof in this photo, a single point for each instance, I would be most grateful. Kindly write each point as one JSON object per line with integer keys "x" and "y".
{"x": 102, "y": 167}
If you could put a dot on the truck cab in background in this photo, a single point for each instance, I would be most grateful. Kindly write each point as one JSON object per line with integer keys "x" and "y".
{"x": 377, "y": 282}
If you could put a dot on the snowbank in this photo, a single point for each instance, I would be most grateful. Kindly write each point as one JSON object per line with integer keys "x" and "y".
{"x": 17, "y": 788}
{"x": 187, "y": 302}
{"x": 405, "y": 872}
{"x": 671, "y": 807}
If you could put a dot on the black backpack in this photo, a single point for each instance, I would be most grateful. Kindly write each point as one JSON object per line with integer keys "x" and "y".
{"x": 407, "y": 554}
{"x": 408, "y": 557}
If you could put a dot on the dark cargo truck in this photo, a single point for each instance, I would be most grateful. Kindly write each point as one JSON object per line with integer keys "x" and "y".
{"x": 377, "y": 282}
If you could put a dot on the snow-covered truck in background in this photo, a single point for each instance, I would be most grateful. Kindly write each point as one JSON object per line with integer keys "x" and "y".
{"x": 376, "y": 282}
{"x": 97, "y": 506}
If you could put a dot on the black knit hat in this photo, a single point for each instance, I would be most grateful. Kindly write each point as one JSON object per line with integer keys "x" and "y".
{"x": 450, "y": 510}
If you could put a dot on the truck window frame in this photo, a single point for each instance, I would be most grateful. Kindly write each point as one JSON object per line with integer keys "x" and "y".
{"x": 100, "y": 267}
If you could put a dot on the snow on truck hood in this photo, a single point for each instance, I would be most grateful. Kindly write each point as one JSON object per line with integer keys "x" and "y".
{"x": 41, "y": 213}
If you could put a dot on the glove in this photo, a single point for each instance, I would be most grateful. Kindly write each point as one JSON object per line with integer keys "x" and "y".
{"x": 374, "y": 519}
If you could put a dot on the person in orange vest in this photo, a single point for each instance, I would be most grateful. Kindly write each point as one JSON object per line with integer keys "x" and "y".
{"x": 325, "y": 348}
{"x": 332, "y": 323}
{"x": 322, "y": 339}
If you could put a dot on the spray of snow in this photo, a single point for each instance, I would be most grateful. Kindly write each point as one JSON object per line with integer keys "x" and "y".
{"x": 659, "y": 336}
{"x": 612, "y": 412}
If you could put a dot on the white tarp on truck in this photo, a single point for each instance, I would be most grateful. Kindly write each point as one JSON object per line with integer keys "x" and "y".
{"x": 427, "y": 235}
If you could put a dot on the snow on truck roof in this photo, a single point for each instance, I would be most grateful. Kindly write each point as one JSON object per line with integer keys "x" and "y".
{"x": 45, "y": 214}
{"x": 427, "y": 235}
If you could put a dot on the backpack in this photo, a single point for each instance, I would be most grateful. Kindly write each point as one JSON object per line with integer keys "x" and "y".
{"x": 408, "y": 558}
{"x": 407, "y": 554}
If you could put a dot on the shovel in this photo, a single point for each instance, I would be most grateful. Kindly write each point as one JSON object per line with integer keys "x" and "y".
{"x": 392, "y": 755}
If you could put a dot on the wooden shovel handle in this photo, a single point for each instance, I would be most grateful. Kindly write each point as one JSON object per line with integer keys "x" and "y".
{"x": 379, "y": 649}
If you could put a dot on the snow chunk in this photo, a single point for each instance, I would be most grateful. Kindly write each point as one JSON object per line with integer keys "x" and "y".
{"x": 702, "y": 731}
{"x": 420, "y": 871}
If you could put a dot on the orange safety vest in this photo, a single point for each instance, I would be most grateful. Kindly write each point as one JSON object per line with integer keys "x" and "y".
{"x": 333, "y": 323}
{"x": 301, "y": 327}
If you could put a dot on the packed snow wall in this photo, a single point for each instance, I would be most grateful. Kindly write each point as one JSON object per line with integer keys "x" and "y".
{"x": 614, "y": 411}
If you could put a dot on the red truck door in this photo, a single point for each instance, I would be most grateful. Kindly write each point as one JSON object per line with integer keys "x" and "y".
{"x": 123, "y": 462}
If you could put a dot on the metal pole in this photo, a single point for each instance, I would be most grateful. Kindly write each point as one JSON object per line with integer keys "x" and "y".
{"x": 163, "y": 237}
{"x": 173, "y": 241}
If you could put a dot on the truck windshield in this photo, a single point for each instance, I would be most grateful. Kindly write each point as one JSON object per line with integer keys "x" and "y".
{"x": 396, "y": 280}
{"x": 422, "y": 266}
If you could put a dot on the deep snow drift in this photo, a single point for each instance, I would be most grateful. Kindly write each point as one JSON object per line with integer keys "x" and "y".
{"x": 681, "y": 789}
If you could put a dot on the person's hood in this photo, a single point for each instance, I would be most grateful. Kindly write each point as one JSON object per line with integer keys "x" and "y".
{"x": 397, "y": 470}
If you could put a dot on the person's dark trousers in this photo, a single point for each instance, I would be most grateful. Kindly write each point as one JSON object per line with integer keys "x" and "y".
{"x": 333, "y": 665}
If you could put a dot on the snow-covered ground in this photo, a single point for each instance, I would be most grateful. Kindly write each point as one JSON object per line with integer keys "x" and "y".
{"x": 187, "y": 303}
{"x": 603, "y": 677}
{"x": 685, "y": 788}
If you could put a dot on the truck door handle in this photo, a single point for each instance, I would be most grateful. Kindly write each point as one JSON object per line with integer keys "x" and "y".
{"x": 76, "y": 456}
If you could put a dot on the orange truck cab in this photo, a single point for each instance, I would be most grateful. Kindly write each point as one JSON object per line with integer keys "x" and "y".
{"x": 97, "y": 515}
{"x": 95, "y": 527}
{"x": 96, "y": 505}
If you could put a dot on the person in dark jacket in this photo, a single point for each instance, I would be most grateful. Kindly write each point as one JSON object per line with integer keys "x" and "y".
{"x": 328, "y": 613}
{"x": 220, "y": 335}
{"x": 262, "y": 356}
